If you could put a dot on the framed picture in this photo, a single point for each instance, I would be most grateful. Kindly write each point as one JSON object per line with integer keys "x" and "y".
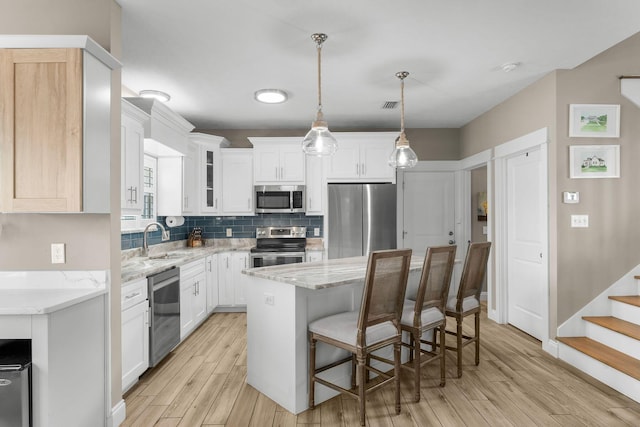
{"x": 483, "y": 207}
{"x": 594, "y": 161}
{"x": 594, "y": 120}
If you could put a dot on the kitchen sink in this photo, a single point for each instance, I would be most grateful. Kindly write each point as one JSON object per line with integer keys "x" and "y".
{"x": 167, "y": 255}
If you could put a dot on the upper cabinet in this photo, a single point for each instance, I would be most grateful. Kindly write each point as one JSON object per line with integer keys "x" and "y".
{"x": 316, "y": 188}
{"x": 55, "y": 141}
{"x": 278, "y": 160}
{"x": 237, "y": 185}
{"x": 132, "y": 158}
{"x": 207, "y": 173}
{"x": 362, "y": 156}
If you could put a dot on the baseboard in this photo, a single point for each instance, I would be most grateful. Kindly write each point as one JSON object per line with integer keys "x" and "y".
{"x": 118, "y": 414}
{"x": 551, "y": 348}
{"x": 483, "y": 296}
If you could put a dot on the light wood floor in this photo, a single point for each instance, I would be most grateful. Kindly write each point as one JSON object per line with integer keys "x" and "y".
{"x": 202, "y": 383}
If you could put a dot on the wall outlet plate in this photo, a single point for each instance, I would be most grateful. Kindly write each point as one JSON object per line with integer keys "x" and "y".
{"x": 316, "y": 232}
{"x": 580, "y": 221}
{"x": 57, "y": 253}
{"x": 229, "y": 232}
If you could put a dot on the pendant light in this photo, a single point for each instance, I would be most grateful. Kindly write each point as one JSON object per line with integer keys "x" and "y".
{"x": 319, "y": 141}
{"x": 403, "y": 157}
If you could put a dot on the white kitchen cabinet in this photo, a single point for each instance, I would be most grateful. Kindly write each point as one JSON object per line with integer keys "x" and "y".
{"x": 135, "y": 332}
{"x": 208, "y": 171}
{"x": 362, "y": 157}
{"x": 132, "y": 158}
{"x": 190, "y": 181}
{"x": 232, "y": 283}
{"x": 278, "y": 160}
{"x": 316, "y": 185}
{"x": 313, "y": 256}
{"x": 211, "y": 269}
{"x": 237, "y": 184}
{"x": 193, "y": 296}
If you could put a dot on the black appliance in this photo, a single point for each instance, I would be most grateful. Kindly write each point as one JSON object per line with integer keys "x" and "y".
{"x": 279, "y": 198}
{"x": 15, "y": 383}
{"x": 279, "y": 245}
{"x": 164, "y": 313}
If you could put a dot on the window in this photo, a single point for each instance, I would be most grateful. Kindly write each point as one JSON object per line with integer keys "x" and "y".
{"x": 134, "y": 223}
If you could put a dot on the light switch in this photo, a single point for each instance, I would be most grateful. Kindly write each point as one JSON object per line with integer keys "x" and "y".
{"x": 316, "y": 231}
{"x": 571, "y": 197}
{"x": 579, "y": 221}
{"x": 57, "y": 253}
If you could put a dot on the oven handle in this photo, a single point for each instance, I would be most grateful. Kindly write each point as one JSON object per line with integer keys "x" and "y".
{"x": 277, "y": 254}
{"x": 165, "y": 283}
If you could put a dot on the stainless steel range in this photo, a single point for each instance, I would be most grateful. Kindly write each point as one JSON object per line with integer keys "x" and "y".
{"x": 279, "y": 245}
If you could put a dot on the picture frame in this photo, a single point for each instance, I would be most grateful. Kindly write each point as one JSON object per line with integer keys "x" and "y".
{"x": 594, "y": 161}
{"x": 594, "y": 120}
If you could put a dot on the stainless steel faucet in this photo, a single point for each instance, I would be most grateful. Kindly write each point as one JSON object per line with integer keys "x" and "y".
{"x": 145, "y": 246}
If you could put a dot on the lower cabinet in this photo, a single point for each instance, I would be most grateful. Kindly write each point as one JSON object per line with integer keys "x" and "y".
{"x": 313, "y": 256}
{"x": 135, "y": 332}
{"x": 193, "y": 296}
{"x": 211, "y": 269}
{"x": 231, "y": 282}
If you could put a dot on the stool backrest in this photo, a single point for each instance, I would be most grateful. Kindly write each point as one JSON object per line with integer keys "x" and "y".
{"x": 475, "y": 267}
{"x": 384, "y": 288}
{"x": 437, "y": 269}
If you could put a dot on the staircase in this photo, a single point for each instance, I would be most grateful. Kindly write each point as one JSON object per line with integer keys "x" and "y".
{"x": 610, "y": 348}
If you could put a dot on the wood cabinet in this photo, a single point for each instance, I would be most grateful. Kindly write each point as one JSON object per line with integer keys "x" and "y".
{"x": 211, "y": 271}
{"x": 232, "y": 283}
{"x": 278, "y": 160}
{"x": 132, "y": 158}
{"x": 135, "y": 332}
{"x": 362, "y": 157}
{"x": 55, "y": 106}
{"x": 237, "y": 185}
{"x": 193, "y": 296}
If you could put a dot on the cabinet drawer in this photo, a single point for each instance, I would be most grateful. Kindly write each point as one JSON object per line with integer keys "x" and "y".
{"x": 191, "y": 269}
{"x": 133, "y": 293}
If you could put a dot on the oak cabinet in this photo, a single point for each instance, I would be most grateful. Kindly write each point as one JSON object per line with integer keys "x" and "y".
{"x": 55, "y": 106}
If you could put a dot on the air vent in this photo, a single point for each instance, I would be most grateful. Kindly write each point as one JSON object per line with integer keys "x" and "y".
{"x": 389, "y": 105}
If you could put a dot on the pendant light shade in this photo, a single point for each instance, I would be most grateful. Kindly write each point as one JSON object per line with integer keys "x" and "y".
{"x": 403, "y": 157}
{"x": 319, "y": 141}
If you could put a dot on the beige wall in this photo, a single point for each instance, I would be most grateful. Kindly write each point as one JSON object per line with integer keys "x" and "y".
{"x": 429, "y": 144}
{"x": 583, "y": 262}
{"x": 93, "y": 241}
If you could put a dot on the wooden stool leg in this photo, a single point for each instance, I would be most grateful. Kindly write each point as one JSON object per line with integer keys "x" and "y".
{"x": 442, "y": 351}
{"x": 361, "y": 387}
{"x": 459, "y": 344}
{"x": 415, "y": 349}
{"x": 396, "y": 373}
{"x": 312, "y": 372}
{"x": 477, "y": 321}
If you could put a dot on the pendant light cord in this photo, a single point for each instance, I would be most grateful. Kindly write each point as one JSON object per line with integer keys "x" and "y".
{"x": 319, "y": 79}
{"x": 402, "y": 105}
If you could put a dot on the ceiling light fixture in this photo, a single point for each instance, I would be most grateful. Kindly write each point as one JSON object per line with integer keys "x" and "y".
{"x": 403, "y": 156}
{"x": 319, "y": 141}
{"x": 509, "y": 66}
{"x": 155, "y": 94}
{"x": 271, "y": 96}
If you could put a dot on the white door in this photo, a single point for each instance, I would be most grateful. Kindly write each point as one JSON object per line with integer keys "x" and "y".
{"x": 526, "y": 207}
{"x": 428, "y": 210}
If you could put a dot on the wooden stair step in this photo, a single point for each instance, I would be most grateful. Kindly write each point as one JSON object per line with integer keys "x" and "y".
{"x": 605, "y": 354}
{"x": 623, "y": 327}
{"x": 627, "y": 299}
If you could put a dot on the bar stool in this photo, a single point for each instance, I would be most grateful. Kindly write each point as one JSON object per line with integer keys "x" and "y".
{"x": 467, "y": 301}
{"x": 426, "y": 313}
{"x": 374, "y": 326}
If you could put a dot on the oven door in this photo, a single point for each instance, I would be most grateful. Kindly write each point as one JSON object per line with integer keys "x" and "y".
{"x": 265, "y": 259}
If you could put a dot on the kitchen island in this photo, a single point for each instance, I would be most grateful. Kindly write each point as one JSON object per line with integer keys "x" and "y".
{"x": 281, "y": 302}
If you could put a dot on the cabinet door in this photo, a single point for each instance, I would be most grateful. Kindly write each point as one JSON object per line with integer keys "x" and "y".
{"x": 266, "y": 165}
{"x": 314, "y": 185}
{"x": 374, "y": 158}
{"x": 169, "y": 186}
{"x": 132, "y": 156}
{"x": 292, "y": 164}
{"x": 237, "y": 183}
{"x": 41, "y": 107}
{"x": 313, "y": 256}
{"x": 225, "y": 279}
{"x": 211, "y": 266}
{"x": 187, "y": 316}
{"x": 209, "y": 179}
{"x": 200, "y": 298}
{"x": 190, "y": 181}
{"x": 240, "y": 262}
{"x": 345, "y": 163}
{"x": 135, "y": 343}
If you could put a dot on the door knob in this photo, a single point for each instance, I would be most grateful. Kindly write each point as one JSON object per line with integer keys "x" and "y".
{"x": 451, "y": 233}
{"x": 452, "y": 242}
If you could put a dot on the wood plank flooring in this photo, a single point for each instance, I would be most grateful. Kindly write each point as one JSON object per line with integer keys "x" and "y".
{"x": 202, "y": 383}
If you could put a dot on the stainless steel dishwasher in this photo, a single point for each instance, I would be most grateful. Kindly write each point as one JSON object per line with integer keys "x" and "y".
{"x": 15, "y": 383}
{"x": 164, "y": 313}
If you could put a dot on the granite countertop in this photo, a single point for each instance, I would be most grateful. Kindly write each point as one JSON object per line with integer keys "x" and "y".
{"x": 323, "y": 274}
{"x": 43, "y": 292}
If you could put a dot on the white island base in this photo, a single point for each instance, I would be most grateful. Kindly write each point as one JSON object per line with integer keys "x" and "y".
{"x": 281, "y": 302}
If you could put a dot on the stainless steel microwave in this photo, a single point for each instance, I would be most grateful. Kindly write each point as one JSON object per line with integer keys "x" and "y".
{"x": 279, "y": 198}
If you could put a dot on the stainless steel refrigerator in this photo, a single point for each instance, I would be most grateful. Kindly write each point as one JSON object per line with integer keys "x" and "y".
{"x": 362, "y": 218}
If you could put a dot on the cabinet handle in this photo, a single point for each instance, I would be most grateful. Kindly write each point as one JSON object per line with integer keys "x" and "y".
{"x": 249, "y": 203}
{"x": 276, "y": 172}
{"x": 210, "y": 266}
{"x": 227, "y": 262}
{"x": 135, "y": 200}
{"x": 281, "y": 172}
{"x": 363, "y": 170}
{"x": 357, "y": 169}
{"x": 133, "y": 295}
{"x": 194, "y": 289}
{"x": 186, "y": 201}
{"x": 216, "y": 203}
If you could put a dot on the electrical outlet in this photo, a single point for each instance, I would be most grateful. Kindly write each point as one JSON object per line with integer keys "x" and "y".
{"x": 316, "y": 231}
{"x": 57, "y": 253}
{"x": 269, "y": 299}
{"x": 229, "y": 232}
{"x": 580, "y": 221}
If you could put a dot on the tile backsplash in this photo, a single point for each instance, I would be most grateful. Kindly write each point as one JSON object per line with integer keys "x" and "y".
{"x": 216, "y": 227}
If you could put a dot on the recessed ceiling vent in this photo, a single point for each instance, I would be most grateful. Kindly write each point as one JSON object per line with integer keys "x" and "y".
{"x": 389, "y": 105}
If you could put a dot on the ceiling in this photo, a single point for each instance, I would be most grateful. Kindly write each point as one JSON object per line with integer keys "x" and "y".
{"x": 212, "y": 55}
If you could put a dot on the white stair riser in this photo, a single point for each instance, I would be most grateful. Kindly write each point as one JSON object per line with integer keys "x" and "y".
{"x": 620, "y": 342}
{"x": 604, "y": 373}
{"x": 623, "y": 311}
